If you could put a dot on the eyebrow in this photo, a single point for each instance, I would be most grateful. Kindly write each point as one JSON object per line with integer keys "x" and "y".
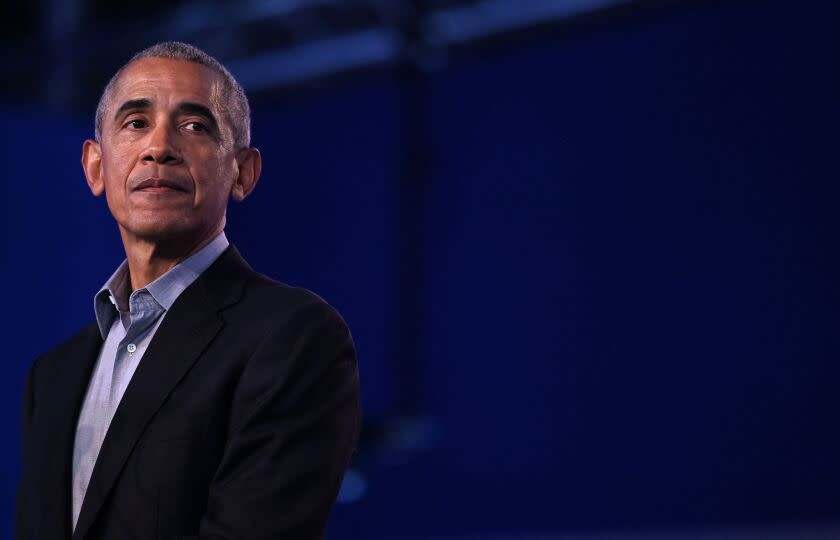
{"x": 133, "y": 105}
{"x": 186, "y": 107}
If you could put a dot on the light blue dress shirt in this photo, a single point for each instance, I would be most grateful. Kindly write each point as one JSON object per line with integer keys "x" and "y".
{"x": 128, "y": 323}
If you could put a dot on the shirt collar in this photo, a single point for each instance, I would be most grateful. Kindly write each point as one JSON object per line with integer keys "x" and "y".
{"x": 114, "y": 295}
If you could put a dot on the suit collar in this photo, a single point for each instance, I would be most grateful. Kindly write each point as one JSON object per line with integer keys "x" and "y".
{"x": 186, "y": 330}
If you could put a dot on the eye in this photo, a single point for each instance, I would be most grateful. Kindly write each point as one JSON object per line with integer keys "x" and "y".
{"x": 135, "y": 124}
{"x": 195, "y": 126}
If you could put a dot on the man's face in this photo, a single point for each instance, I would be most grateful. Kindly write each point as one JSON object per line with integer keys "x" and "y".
{"x": 166, "y": 160}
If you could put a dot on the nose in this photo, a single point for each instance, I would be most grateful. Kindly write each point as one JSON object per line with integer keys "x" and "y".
{"x": 162, "y": 146}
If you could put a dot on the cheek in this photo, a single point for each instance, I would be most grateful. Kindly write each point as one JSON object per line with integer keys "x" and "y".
{"x": 115, "y": 168}
{"x": 218, "y": 177}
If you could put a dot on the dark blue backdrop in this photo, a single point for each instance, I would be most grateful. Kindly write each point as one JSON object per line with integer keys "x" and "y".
{"x": 630, "y": 297}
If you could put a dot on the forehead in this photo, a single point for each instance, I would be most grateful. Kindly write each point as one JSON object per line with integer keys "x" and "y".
{"x": 162, "y": 80}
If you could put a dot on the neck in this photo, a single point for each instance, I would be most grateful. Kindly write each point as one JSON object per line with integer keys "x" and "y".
{"x": 148, "y": 259}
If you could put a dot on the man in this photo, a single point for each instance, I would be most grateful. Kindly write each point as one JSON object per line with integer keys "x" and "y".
{"x": 206, "y": 400}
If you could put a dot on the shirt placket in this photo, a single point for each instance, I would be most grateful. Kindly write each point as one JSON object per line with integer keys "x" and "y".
{"x": 143, "y": 311}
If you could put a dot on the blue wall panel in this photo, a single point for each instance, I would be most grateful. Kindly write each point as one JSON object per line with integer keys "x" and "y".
{"x": 633, "y": 277}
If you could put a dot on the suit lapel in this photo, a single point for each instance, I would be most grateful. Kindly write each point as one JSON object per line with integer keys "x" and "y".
{"x": 186, "y": 330}
{"x": 74, "y": 363}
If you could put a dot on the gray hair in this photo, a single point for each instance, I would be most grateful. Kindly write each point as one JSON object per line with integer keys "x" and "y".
{"x": 236, "y": 109}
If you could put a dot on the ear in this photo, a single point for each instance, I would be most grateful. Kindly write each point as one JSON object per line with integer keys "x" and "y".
{"x": 249, "y": 162}
{"x": 92, "y": 164}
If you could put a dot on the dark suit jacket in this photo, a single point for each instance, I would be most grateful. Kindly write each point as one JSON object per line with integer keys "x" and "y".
{"x": 238, "y": 424}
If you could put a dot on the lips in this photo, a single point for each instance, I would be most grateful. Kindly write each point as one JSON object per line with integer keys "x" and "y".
{"x": 159, "y": 185}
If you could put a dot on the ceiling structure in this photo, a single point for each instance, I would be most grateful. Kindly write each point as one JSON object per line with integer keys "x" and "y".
{"x": 60, "y": 53}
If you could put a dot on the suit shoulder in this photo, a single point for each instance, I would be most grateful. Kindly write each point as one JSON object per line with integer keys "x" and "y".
{"x": 278, "y": 300}
{"x": 67, "y": 348}
{"x": 80, "y": 337}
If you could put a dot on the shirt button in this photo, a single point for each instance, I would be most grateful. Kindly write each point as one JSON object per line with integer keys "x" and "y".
{"x": 131, "y": 347}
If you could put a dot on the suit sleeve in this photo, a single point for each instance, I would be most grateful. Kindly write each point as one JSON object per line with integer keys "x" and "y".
{"x": 294, "y": 426}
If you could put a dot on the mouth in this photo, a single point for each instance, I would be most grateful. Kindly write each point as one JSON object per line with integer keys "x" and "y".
{"x": 160, "y": 185}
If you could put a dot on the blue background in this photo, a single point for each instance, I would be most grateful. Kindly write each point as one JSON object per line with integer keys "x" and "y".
{"x": 622, "y": 297}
